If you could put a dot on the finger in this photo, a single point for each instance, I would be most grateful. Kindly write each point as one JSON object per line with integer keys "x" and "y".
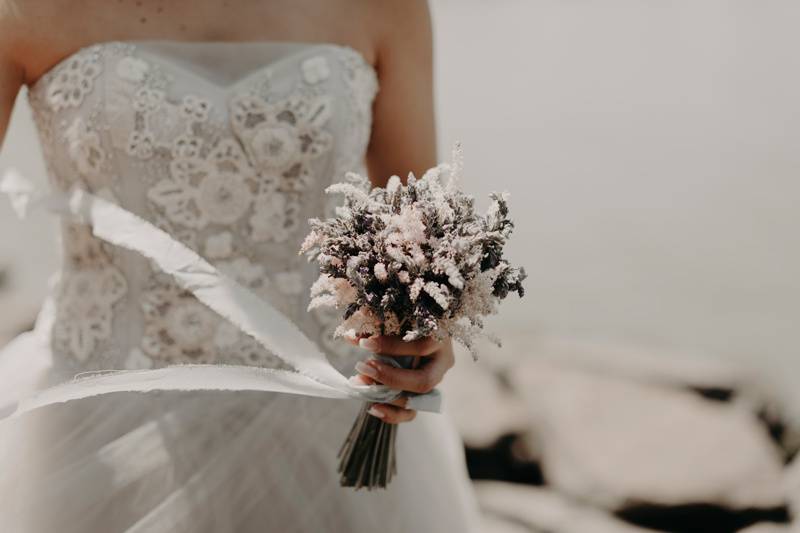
{"x": 392, "y": 414}
{"x": 394, "y": 345}
{"x": 422, "y": 380}
{"x": 359, "y": 380}
{"x": 402, "y": 401}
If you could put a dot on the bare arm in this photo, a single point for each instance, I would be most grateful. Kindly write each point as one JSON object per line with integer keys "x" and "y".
{"x": 12, "y": 74}
{"x": 403, "y": 134}
{"x": 403, "y": 140}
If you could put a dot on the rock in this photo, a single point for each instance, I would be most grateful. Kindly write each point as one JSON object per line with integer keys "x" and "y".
{"x": 769, "y": 528}
{"x": 482, "y": 409}
{"x": 496, "y": 524}
{"x": 701, "y": 517}
{"x": 615, "y": 442}
{"x": 504, "y": 460}
{"x": 791, "y": 487}
{"x": 543, "y": 509}
{"x": 637, "y": 363}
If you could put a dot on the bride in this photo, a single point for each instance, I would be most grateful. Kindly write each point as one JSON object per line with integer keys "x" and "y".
{"x": 221, "y": 123}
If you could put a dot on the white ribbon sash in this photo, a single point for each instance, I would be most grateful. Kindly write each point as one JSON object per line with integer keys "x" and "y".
{"x": 315, "y": 376}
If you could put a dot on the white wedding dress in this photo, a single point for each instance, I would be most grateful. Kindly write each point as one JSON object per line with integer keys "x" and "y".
{"x": 227, "y": 147}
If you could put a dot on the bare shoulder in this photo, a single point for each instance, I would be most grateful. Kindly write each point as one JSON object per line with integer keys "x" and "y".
{"x": 402, "y": 19}
{"x": 399, "y": 24}
{"x": 407, "y": 16}
{"x": 12, "y": 29}
{"x": 29, "y": 29}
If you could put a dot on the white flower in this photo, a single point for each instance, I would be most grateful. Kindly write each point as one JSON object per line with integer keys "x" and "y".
{"x": 223, "y": 197}
{"x": 323, "y": 300}
{"x": 86, "y": 299}
{"x": 186, "y": 147}
{"x": 132, "y": 69}
{"x": 380, "y": 272}
{"x": 282, "y": 138}
{"x": 147, "y": 99}
{"x": 140, "y": 144}
{"x": 73, "y": 81}
{"x": 190, "y": 323}
{"x": 166, "y": 124}
{"x": 362, "y": 323}
{"x": 439, "y": 293}
{"x": 311, "y": 240}
{"x": 329, "y": 291}
{"x": 316, "y": 69}
{"x": 220, "y": 245}
{"x": 84, "y": 148}
{"x": 269, "y": 221}
{"x": 199, "y": 191}
{"x": 416, "y": 288}
{"x": 195, "y": 108}
{"x": 275, "y": 147}
{"x": 178, "y": 328}
{"x": 430, "y": 236}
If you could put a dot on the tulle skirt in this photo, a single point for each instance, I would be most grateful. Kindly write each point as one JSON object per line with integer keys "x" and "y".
{"x": 207, "y": 461}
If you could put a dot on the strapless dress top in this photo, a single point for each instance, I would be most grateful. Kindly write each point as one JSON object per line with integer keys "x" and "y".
{"x": 226, "y": 146}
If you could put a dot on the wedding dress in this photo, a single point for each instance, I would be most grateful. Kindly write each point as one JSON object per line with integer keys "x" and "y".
{"x": 227, "y": 148}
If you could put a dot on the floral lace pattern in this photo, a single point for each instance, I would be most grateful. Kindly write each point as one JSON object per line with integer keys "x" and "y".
{"x": 179, "y": 329}
{"x": 85, "y": 149}
{"x": 233, "y": 177}
{"x": 74, "y": 80}
{"x": 87, "y": 294}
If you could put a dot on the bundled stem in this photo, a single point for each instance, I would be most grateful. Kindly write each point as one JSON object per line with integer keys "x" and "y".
{"x": 367, "y": 457}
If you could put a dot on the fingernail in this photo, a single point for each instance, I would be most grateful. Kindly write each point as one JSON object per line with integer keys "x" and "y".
{"x": 368, "y": 343}
{"x": 377, "y": 413}
{"x": 367, "y": 370}
{"x": 357, "y": 380}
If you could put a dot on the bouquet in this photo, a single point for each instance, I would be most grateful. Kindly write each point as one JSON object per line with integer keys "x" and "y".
{"x": 412, "y": 260}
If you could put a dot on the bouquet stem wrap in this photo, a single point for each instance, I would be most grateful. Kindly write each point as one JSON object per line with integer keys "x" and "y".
{"x": 367, "y": 457}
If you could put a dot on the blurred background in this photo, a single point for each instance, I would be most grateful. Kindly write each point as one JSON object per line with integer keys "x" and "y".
{"x": 649, "y": 379}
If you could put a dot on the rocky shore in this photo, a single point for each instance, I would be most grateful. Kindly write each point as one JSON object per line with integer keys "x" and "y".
{"x": 580, "y": 437}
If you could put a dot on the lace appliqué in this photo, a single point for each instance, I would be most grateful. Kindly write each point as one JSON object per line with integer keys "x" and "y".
{"x": 180, "y": 329}
{"x": 85, "y": 149}
{"x": 362, "y": 83}
{"x": 73, "y": 80}
{"x": 233, "y": 182}
{"x": 87, "y": 292}
{"x": 261, "y": 172}
{"x": 215, "y": 186}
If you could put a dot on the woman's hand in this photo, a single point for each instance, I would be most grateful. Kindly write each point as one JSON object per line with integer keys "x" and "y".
{"x": 436, "y": 358}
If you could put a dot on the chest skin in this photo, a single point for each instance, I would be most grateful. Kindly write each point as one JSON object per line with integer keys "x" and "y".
{"x": 71, "y": 25}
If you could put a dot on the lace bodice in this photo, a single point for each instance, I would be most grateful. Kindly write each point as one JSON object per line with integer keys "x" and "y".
{"x": 226, "y": 146}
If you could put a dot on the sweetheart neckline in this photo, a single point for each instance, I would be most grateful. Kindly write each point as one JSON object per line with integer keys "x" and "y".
{"x": 302, "y": 45}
